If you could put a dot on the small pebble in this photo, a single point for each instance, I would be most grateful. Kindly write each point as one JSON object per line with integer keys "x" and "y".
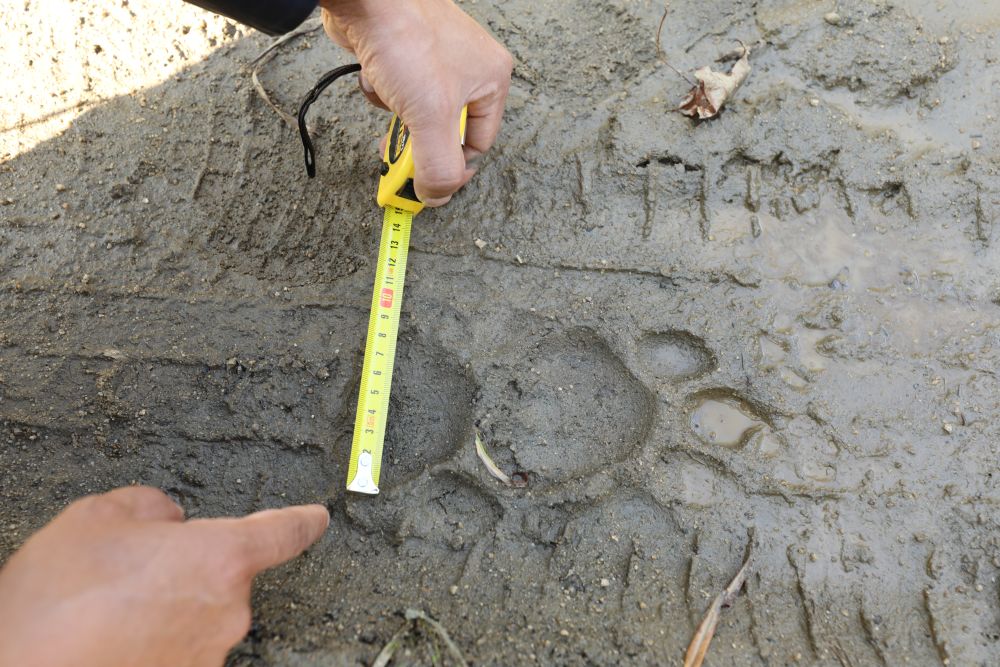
{"x": 60, "y": 187}
{"x": 948, "y": 428}
{"x": 453, "y": 590}
{"x": 814, "y": 102}
{"x": 944, "y": 40}
{"x": 480, "y": 243}
{"x": 605, "y": 583}
{"x": 976, "y": 145}
{"x": 833, "y": 18}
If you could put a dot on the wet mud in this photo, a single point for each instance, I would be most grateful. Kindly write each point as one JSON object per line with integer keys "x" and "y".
{"x": 779, "y": 326}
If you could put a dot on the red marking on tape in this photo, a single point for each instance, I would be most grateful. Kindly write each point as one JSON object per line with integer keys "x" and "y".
{"x": 386, "y": 301}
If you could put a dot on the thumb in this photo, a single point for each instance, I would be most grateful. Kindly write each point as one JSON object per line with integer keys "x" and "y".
{"x": 438, "y": 161}
{"x": 272, "y": 537}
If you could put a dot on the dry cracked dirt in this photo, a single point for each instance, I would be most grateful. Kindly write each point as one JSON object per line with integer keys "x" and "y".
{"x": 780, "y": 326}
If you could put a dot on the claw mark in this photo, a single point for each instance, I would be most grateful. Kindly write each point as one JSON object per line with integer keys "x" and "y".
{"x": 939, "y": 643}
{"x": 754, "y": 635}
{"x": 808, "y": 607}
{"x": 869, "y": 628}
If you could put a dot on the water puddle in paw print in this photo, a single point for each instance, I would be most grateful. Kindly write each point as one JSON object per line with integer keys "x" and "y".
{"x": 724, "y": 421}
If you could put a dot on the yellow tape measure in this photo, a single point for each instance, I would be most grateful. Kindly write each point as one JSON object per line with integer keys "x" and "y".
{"x": 396, "y": 195}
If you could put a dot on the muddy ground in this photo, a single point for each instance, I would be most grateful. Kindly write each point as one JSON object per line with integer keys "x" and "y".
{"x": 780, "y": 326}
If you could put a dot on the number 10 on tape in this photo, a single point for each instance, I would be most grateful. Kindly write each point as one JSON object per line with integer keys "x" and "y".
{"x": 380, "y": 352}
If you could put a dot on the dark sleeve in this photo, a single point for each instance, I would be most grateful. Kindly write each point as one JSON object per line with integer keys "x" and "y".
{"x": 275, "y": 17}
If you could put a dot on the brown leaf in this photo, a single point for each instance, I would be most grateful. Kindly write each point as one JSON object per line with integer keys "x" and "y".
{"x": 706, "y": 629}
{"x": 706, "y": 98}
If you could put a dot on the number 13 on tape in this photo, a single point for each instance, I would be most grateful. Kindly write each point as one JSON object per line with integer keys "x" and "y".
{"x": 396, "y": 195}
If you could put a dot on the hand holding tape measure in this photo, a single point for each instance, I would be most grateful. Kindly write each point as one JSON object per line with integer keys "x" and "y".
{"x": 397, "y": 196}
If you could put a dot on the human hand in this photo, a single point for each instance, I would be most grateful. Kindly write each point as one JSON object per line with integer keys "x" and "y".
{"x": 120, "y": 579}
{"x": 425, "y": 60}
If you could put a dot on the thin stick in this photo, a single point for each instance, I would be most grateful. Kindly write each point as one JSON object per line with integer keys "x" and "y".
{"x": 259, "y": 87}
{"x": 265, "y": 57}
{"x": 312, "y": 25}
{"x": 659, "y": 51}
{"x": 706, "y": 629}
{"x": 417, "y": 615}
{"x": 385, "y": 655}
{"x": 490, "y": 464}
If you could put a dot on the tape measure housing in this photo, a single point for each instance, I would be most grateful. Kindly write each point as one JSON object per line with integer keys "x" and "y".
{"x": 396, "y": 195}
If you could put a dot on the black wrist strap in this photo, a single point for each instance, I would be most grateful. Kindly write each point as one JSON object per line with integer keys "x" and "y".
{"x": 311, "y": 97}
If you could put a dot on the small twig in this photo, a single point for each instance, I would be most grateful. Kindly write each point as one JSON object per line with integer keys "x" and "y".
{"x": 489, "y": 463}
{"x": 312, "y": 25}
{"x": 659, "y": 51}
{"x": 417, "y": 615}
{"x": 285, "y": 116}
{"x": 659, "y": 29}
{"x": 385, "y": 655}
{"x": 413, "y": 616}
{"x": 265, "y": 57}
{"x": 706, "y": 629}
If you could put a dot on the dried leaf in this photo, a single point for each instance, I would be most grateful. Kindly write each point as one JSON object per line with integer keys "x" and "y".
{"x": 713, "y": 89}
{"x": 490, "y": 465}
{"x": 706, "y": 629}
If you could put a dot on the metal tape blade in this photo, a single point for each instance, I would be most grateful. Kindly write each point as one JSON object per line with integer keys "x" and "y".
{"x": 380, "y": 352}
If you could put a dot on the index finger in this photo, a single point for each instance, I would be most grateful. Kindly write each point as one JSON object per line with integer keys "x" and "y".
{"x": 272, "y": 537}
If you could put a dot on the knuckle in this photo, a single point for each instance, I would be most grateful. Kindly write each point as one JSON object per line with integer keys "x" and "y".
{"x": 443, "y": 179}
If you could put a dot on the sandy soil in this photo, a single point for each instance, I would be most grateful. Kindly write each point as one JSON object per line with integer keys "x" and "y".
{"x": 780, "y": 326}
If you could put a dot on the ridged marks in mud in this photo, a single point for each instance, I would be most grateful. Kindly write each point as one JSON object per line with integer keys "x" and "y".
{"x": 566, "y": 407}
{"x": 625, "y": 556}
{"x": 284, "y": 402}
{"x": 443, "y": 510}
{"x": 453, "y": 514}
{"x": 675, "y": 355}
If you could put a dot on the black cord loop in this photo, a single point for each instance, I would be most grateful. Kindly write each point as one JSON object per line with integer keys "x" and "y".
{"x": 311, "y": 97}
